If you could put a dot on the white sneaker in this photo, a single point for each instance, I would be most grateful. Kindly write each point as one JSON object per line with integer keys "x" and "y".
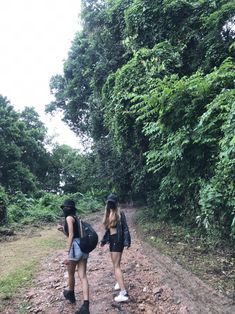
{"x": 116, "y": 287}
{"x": 121, "y": 298}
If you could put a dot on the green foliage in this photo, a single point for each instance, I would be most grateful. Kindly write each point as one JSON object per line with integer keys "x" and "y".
{"x": 200, "y": 28}
{"x": 189, "y": 123}
{"x": 219, "y": 32}
{"x": 46, "y": 208}
{"x": 11, "y": 282}
{"x": 23, "y": 209}
{"x": 216, "y": 129}
{"x": 71, "y": 171}
{"x": 152, "y": 83}
{"x": 35, "y": 154}
{"x": 19, "y": 207}
{"x": 95, "y": 53}
{"x": 23, "y": 157}
{"x": 91, "y": 201}
{"x": 119, "y": 92}
{"x": 3, "y": 206}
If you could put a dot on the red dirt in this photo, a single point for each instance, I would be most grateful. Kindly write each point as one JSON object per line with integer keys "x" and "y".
{"x": 155, "y": 282}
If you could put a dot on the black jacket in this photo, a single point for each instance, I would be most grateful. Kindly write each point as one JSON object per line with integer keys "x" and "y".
{"x": 122, "y": 232}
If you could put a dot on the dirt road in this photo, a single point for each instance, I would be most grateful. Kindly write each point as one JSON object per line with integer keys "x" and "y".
{"x": 156, "y": 284}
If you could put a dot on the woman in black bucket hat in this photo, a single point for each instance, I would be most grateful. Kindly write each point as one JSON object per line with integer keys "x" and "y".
{"x": 76, "y": 258}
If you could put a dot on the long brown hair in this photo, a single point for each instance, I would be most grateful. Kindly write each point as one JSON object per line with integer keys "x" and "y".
{"x": 111, "y": 215}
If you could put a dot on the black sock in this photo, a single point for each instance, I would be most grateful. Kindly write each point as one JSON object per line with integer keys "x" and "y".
{"x": 86, "y": 303}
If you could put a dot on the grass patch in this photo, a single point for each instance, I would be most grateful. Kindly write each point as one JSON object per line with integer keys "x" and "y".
{"x": 20, "y": 259}
{"x": 51, "y": 243}
{"x": 10, "y": 282}
{"x": 23, "y": 308}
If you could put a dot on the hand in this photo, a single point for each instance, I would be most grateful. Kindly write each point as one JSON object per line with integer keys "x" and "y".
{"x": 66, "y": 262}
{"x": 101, "y": 246}
{"x": 60, "y": 228}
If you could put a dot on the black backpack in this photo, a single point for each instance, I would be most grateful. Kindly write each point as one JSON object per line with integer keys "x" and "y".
{"x": 88, "y": 236}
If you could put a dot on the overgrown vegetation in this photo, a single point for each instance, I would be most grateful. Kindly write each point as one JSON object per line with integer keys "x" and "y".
{"x": 152, "y": 82}
{"x": 206, "y": 257}
{"x": 150, "y": 85}
{"x": 46, "y": 209}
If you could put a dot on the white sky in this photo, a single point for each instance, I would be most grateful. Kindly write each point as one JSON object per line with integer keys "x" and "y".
{"x": 35, "y": 37}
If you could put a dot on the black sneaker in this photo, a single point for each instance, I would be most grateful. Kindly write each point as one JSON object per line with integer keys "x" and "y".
{"x": 84, "y": 309}
{"x": 69, "y": 295}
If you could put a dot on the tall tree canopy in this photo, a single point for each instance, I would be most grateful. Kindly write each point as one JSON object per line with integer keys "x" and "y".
{"x": 14, "y": 173}
{"x": 152, "y": 83}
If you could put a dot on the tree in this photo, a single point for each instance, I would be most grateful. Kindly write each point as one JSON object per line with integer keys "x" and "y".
{"x": 71, "y": 172}
{"x": 14, "y": 173}
{"x": 33, "y": 144}
{"x": 3, "y": 206}
{"x": 139, "y": 80}
{"x": 23, "y": 157}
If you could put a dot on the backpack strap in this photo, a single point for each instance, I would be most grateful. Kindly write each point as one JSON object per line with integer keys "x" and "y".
{"x": 81, "y": 229}
{"x": 121, "y": 216}
{"x": 79, "y": 223}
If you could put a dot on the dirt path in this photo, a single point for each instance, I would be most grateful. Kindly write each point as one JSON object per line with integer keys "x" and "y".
{"x": 156, "y": 285}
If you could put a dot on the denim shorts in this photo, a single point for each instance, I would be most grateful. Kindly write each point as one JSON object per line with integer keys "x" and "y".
{"x": 114, "y": 244}
{"x": 75, "y": 253}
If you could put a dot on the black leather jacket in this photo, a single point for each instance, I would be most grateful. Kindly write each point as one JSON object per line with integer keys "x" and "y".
{"x": 123, "y": 233}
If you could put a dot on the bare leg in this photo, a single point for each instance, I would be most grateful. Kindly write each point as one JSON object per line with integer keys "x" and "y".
{"x": 71, "y": 271}
{"x": 116, "y": 260}
{"x": 82, "y": 265}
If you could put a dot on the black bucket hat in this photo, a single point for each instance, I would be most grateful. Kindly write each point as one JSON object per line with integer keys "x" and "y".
{"x": 68, "y": 203}
{"x": 112, "y": 198}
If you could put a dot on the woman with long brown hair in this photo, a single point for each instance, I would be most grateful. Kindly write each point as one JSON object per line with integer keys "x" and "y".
{"x": 118, "y": 236}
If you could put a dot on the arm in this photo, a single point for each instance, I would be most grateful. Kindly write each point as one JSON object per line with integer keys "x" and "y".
{"x": 105, "y": 238}
{"x": 126, "y": 233}
{"x": 70, "y": 221}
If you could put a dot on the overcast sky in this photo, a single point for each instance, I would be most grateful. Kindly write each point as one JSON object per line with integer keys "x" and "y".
{"x": 35, "y": 37}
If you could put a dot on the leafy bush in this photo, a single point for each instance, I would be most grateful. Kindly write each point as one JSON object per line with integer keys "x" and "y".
{"x": 88, "y": 202}
{"x": 3, "y": 205}
{"x": 46, "y": 208}
{"x": 190, "y": 126}
{"x": 20, "y": 206}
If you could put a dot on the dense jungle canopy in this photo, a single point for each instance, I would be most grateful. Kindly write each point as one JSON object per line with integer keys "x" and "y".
{"x": 150, "y": 85}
